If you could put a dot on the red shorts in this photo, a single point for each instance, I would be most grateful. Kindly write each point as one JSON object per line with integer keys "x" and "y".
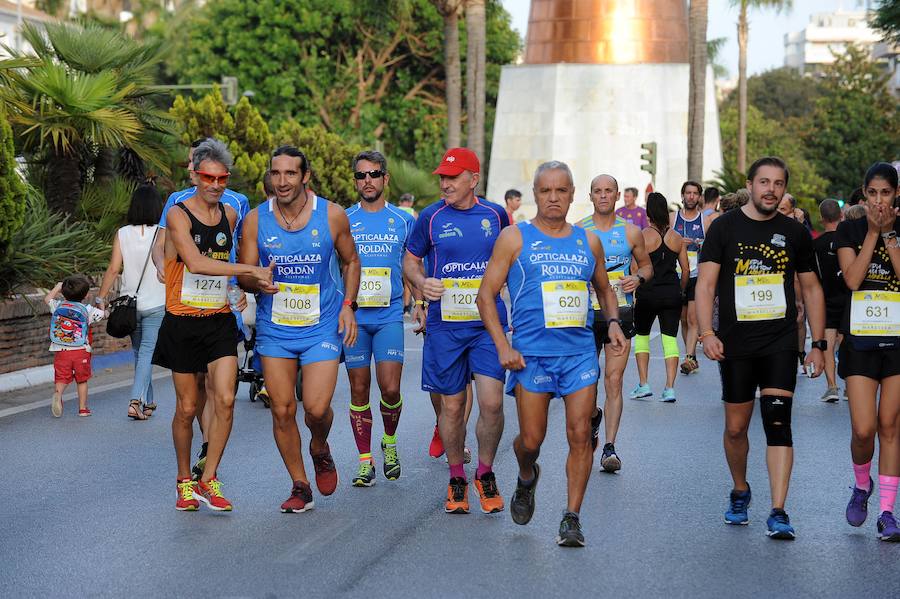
{"x": 72, "y": 364}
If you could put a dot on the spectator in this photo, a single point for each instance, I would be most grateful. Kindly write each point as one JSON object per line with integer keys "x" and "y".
{"x": 513, "y": 198}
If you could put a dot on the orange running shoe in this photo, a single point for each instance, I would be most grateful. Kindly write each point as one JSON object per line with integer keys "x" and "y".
{"x": 436, "y": 449}
{"x": 186, "y": 501}
{"x": 457, "y": 496}
{"x": 491, "y": 501}
{"x": 210, "y": 493}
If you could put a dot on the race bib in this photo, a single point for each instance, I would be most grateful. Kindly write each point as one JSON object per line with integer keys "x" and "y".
{"x": 692, "y": 262}
{"x": 615, "y": 281}
{"x": 296, "y": 305}
{"x": 595, "y": 301}
{"x": 759, "y": 297}
{"x": 875, "y": 313}
{"x": 458, "y": 302}
{"x": 565, "y": 304}
{"x": 375, "y": 288}
{"x": 203, "y": 291}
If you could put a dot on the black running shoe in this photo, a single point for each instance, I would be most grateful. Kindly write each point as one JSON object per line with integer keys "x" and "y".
{"x": 595, "y": 428}
{"x": 522, "y": 505}
{"x": 570, "y": 531}
{"x": 610, "y": 461}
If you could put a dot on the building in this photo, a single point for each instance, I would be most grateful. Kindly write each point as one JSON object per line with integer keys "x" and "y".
{"x": 826, "y": 35}
{"x": 888, "y": 55}
{"x": 10, "y": 15}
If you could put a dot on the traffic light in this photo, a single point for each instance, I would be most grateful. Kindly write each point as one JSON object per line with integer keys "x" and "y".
{"x": 649, "y": 157}
{"x": 230, "y": 90}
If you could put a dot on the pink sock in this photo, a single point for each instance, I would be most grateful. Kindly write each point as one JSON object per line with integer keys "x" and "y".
{"x": 887, "y": 491}
{"x": 361, "y": 422}
{"x": 861, "y": 472}
{"x": 482, "y": 469}
{"x": 457, "y": 471}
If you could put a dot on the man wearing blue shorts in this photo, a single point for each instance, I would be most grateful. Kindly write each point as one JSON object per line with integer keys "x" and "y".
{"x": 380, "y": 231}
{"x": 548, "y": 265}
{"x": 307, "y": 319}
{"x": 457, "y": 235}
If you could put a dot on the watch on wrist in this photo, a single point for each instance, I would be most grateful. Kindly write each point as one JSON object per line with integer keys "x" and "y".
{"x": 641, "y": 279}
{"x": 821, "y": 344}
{"x": 353, "y": 305}
{"x": 889, "y": 235}
{"x": 614, "y": 320}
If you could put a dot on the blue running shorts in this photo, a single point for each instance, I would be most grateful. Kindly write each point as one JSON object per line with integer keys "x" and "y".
{"x": 385, "y": 341}
{"x": 307, "y": 351}
{"x": 560, "y": 375}
{"x": 452, "y": 356}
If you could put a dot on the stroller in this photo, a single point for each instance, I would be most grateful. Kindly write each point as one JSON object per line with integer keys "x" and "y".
{"x": 250, "y": 370}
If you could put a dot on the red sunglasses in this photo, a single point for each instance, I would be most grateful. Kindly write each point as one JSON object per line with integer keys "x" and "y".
{"x": 211, "y": 179}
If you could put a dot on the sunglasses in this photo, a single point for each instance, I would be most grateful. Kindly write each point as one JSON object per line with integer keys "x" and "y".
{"x": 210, "y": 179}
{"x": 372, "y": 174}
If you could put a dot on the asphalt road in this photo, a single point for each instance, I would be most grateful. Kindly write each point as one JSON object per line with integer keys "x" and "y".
{"x": 86, "y": 509}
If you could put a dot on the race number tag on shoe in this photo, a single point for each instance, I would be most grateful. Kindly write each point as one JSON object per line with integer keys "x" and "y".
{"x": 565, "y": 304}
{"x": 615, "y": 281}
{"x": 375, "y": 288}
{"x": 875, "y": 313}
{"x": 296, "y": 305}
{"x": 759, "y": 297}
{"x": 203, "y": 291}
{"x": 458, "y": 301}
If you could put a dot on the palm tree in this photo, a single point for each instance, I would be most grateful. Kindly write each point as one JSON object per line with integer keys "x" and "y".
{"x": 449, "y": 10}
{"x": 698, "y": 17}
{"x": 743, "y": 28}
{"x": 475, "y": 78}
{"x": 89, "y": 92}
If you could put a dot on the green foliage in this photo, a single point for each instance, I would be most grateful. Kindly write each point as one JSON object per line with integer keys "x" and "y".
{"x": 241, "y": 127}
{"x": 12, "y": 189}
{"x": 406, "y": 177}
{"x": 780, "y": 94}
{"x": 887, "y": 19}
{"x": 330, "y": 157}
{"x": 104, "y": 206}
{"x": 714, "y": 55}
{"x": 729, "y": 179}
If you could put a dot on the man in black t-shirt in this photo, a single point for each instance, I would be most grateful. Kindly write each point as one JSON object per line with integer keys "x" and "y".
{"x": 749, "y": 260}
{"x": 829, "y": 273}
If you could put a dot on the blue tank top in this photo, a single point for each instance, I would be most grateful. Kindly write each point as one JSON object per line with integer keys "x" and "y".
{"x": 691, "y": 229}
{"x": 381, "y": 239}
{"x": 306, "y": 271}
{"x": 548, "y": 286}
{"x": 616, "y": 249}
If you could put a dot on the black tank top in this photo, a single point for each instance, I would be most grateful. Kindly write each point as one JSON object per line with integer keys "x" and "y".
{"x": 212, "y": 241}
{"x": 665, "y": 279}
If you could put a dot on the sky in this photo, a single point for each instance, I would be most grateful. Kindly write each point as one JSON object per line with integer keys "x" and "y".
{"x": 767, "y": 28}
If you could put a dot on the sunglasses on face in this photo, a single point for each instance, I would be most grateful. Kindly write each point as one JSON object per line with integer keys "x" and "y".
{"x": 211, "y": 179}
{"x": 359, "y": 176}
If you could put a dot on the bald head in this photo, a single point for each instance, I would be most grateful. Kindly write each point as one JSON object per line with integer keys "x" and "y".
{"x": 604, "y": 194}
{"x": 600, "y": 179}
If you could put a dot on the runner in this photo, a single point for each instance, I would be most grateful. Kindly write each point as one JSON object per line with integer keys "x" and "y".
{"x": 631, "y": 212}
{"x": 688, "y": 222}
{"x": 749, "y": 259}
{"x": 829, "y": 273}
{"x": 380, "y": 231}
{"x": 548, "y": 265}
{"x": 197, "y": 333}
{"x": 621, "y": 242}
{"x": 660, "y": 298}
{"x": 870, "y": 354}
{"x": 457, "y": 234}
{"x": 301, "y": 236}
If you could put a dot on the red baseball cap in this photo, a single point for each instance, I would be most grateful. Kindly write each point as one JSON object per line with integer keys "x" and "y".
{"x": 457, "y": 160}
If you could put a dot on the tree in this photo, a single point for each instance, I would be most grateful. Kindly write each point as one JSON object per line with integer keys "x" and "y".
{"x": 887, "y": 19}
{"x": 475, "y": 78}
{"x": 743, "y": 29}
{"x": 781, "y": 94}
{"x": 12, "y": 189}
{"x": 714, "y": 54}
{"x": 698, "y": 17}
{"x": 449, "y": 10}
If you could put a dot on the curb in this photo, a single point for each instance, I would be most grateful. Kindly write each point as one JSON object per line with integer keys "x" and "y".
{"x": 41, "y": 375}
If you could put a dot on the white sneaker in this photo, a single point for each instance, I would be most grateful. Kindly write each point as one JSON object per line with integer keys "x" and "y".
{"x": 56, "y": 405}
{"x": 831, "y": 395}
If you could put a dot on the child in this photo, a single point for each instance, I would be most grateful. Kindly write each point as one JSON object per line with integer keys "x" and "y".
{"x": 70, "y": 339}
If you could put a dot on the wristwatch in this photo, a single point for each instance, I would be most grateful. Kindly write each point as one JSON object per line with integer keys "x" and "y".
{"x": 353, "y": 305}
{"x": 614, "y": 320}
{"x": 641, "y": 279}
{"x": 889, "y": 235}
{"x": 821, "y": 344}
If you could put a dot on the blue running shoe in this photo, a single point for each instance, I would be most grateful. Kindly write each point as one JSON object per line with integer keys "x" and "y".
{"x": 668, "y": 395}
{"x": 641, "y": 391}
{"x": 780, "y": 526}
{"x": 887, "y": 528}
{"x": 858, "y": 508}
{"x": 737, "y": 510}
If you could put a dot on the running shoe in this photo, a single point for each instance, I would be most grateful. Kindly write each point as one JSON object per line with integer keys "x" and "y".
{"x": 887, "y": 528}
{"x": 690, "y": 365}
{"x": 436, "y": 448}
{"x": 457, "y": 496}
{"x": 570, "y": 531}
{"x": 739, "y": 502}
{"x": 641, "y": 391}
{"x": 595, "y": 428}
{"x": 858, "y": 508}
{"x": 326, "y": 472}
{"x": 301, "y": 499}
{"x": 391, "y": 461}
{"x": 609, "y": 461}
{"x": 198, "y": 467}
{"x": 668, "y": 395}
{"x": 56, "y": 406}
{"x": 832, "y": 395}
{"x": 779, "y": 526}
{"x": 365, "y": 475}
{"x": 84, "y": 412}
{"x": 521, "y": 508}
{"x": 186, "y": 501}
{"x": 491, "y": 500}
{"x": 210, "y": 493}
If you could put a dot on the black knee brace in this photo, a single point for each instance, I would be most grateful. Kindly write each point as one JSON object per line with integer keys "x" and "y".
{"x": 776, "y": 418}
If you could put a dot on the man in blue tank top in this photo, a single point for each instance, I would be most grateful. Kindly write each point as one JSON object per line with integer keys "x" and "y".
{"x": 381, "y": 232}
{"x": 623, "y": 245}
{"x": 309, "y": 317}
{"x": 548, "y": 266}
{"x": 688, "y": 222}
{"x": 457, "y": 235}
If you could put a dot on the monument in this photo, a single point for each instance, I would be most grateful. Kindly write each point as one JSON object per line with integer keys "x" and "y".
{"x": 600, "y": 78}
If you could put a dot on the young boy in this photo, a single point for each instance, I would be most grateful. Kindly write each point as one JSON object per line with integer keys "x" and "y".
{"x": 70, "y": 339}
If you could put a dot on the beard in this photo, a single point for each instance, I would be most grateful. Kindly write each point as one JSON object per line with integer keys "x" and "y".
{"x": 762, "y": 209}
{"x": 371, "y": 198}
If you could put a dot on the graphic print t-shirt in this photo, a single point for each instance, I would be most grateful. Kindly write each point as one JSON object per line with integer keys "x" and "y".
{"x": 829, "y": 270}
{"x": 746, "y": 247}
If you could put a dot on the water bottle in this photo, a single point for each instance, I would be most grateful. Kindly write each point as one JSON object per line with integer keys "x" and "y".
{"x": 234, "y": 296}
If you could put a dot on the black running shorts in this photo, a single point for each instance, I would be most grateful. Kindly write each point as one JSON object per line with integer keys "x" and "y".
{"x": 187, "y": 344}
{"x": 601, "y": 327}
{"x": 741, "y": 377}
{"x": 876, "y": 365}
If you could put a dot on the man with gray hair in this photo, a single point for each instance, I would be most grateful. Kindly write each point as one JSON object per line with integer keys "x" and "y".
{"x": 197, "y": 334}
